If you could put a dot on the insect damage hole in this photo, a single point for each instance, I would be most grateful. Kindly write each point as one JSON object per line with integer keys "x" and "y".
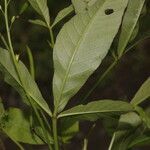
{"x": 109, "y": 11}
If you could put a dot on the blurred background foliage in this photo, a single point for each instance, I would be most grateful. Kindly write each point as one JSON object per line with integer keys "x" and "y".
{"x": 122, "y": 82}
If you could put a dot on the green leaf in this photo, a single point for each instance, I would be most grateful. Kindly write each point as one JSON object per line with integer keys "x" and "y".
{"x": 145, "y": 116}
{"x": 16, "y": 124}
{"x": 140, "y": 140}
{"x": 134, "y": 33}
{"x": 123, "y": 139}
{"x": 38, "y": 22}
{"x": 39, "y": 132}
{"x": 130, "y": 20}
{"x": 23, "y": 8}
{"x": 79, "y": 5}
{"x": 29, "y": 86}
{"x": 81, "y": 46}
{"x": 127, "y": 131}
{"x": 41, "y": 7}
{"x": 94, "y": 110}
{"x": 142, "y": 94}
{"x": 63, "y": 14}
{"x": 128, "y": 120}
{"x": 110, "y": 124}
{"x": 138, "y": 39}
{"x": 82, "y": 5}
{"x": 67, "y": 129}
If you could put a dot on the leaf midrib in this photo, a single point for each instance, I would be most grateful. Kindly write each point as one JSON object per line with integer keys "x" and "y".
{"x": 89, "y": 112}
{"x": 48, "y": 111}
{"x": 76, "y": 50}
{"x": 39, "y": 5}
{"x": 121, "y": 48}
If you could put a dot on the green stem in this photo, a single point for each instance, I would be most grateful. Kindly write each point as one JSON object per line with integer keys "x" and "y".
{"x": 112, "y": 142}
{"x": 46, "y": 121}
{"x": 85, "y": 146}
{"x": 17, "y": 143}
{"x": 4, "y": 41}
{"x": 18, "y": 73}
{"x": 99, "y": 80}
{"x": 9, "y": 39}
{"x": 56, "y": 143}
{"x": 42, "y": 124}
{"x": 51, "y": 36}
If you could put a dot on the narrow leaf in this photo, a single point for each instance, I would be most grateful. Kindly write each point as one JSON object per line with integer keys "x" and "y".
{"x": 62, "y": 14}
{"x": 81, "y": 46}
{"x": 23, "y": 8}
{"x": 67, "y": 129}
{"x": 140, "y": 140}
{"x": 29, "y": 86}
{"x": 31, "y": 62}
{"x": 130, "y": 20}
{"x": 127, "y": 131}
{"x": 38, "y": 22}
{"x": 94, "y": 109}
{"x": 142, "y": 94}
{"x": 16, "y": 124}
{"x": 41, "y": 7}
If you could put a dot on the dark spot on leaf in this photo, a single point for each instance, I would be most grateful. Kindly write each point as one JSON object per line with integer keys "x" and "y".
{"x": 109, "y": 11}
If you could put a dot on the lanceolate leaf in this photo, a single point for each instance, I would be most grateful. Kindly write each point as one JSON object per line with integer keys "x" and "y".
{"x": 145, "y": 116}
{"x": 129, "y": 23}
{"x": 138, "y": 39}
{"x": 38, "y": 22}
{"x": 142, "y": 94}
{"x": 67, "y": 129}
{"x": 140, "y": 140}
{"x": 41, "y": 7}
{"x": 29, "y": 86}
{"x": 16, "y": 124}
{"x": 81, "y": 45}
{"x": 23, "y": 8}
{"x": 62, "y": 14}
{"x": 97, "y": 108}
{"x": 127, "y": 131}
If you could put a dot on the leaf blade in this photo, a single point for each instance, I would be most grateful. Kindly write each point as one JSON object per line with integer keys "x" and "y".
{"x": 97, "y": 107}
{"x": 80, "y": 51}
{"x": 41, "y": 7}
{"x": 30, "y": 86}
{"x": 38, "y": 22}
{"x": 130, "y": 20}
{"x": 142, "y": 94}
{"x": 62, "y": 14}
{"x": 16, "y": 124}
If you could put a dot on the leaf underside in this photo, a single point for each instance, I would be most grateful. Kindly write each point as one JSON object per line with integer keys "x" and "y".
{"x": 41, "y": 7}
{"x": 95, "y": 110}
{"x": 16, "y": 124}
{"x": 81, "y": 45}
{"x": 29, "y": 86}
{"x": 129, "y": 23}
{"x": 63, "y": 14}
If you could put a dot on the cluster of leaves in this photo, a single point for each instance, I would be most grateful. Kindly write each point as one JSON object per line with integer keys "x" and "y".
{"x": 81, "y": 45}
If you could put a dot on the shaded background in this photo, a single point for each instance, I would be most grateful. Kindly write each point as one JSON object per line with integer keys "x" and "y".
{"x": 121, "y": 83}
